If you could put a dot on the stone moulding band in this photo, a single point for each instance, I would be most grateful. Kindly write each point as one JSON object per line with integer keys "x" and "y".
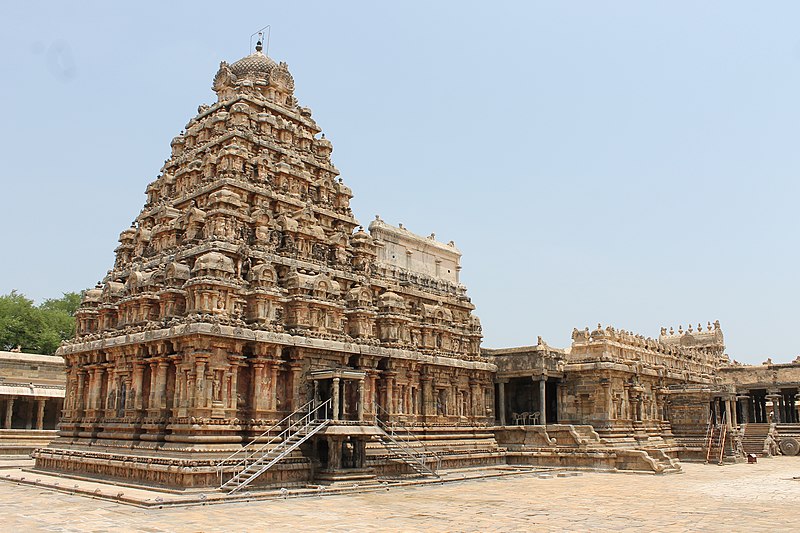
{"x": 285, "y": 339}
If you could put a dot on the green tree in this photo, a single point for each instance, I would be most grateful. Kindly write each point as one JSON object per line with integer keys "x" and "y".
{"x": 36, "y": 329}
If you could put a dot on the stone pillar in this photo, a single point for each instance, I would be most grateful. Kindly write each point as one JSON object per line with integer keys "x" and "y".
{"x": 389, "y": 390}
{"x": 626, "y": 403}
{"x": 258, "y": 386}
{"x": 200, "y": 383}
{"x": 776, "y": 406}
{"x": 138, "y": 382}
{"x": 371, "y": 386}
{"x": 161, "y": 383}
{"x": 334, "y": 453}
{"x": 745, "y": 409}
{"x": 111, "y": 379}
{"x": 784, "y": 411}
{"x": 29, "y": 415}
{"x": 40, "y": 413}
{"x": 427, "y": 395}
{"x": 360, "y": 399}
{"x": 296, "y": 369}
{"x": 151, "y": 400}
{"x": 80, "y": 395}
{"x": 345, "y": 410}
{"x": 9, "y": 411}
{"x": 273, "y": 386}
{"x": 797, "y": 405}
{"x": 730, "y": 412}
{"x": 543, "y": 400}
{"x": 501, "y": 393}
{"x": 177, "y": 402}
{"x": 335, "y": 398}
{"x": 752, "y": 409}
{"x": 233, "y": 400}
{"x": 605, "y": 384}
{"x": 474, "y": 390}
{"x": 100, "y": 396}
{"x": 89, "y": 392}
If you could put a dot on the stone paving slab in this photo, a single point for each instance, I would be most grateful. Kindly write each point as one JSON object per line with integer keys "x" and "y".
{"x": 739, "y": 497}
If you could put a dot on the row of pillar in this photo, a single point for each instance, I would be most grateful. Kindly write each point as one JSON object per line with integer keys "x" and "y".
{"x": 29, "y": 423}
{"x": 197, "y": 386}
{"x": 782, "y": 411}
{"x": 190, "y": 387}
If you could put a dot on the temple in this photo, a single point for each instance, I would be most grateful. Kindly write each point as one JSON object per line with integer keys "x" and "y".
{"x": 252, "y": 333}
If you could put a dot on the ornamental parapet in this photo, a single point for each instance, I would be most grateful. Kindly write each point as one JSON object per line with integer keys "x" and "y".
{"x": 618, "y": 345}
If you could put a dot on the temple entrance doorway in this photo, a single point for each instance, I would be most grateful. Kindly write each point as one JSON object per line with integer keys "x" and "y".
{"x": 530, "y": 401}
{"x": 345, "y": 389}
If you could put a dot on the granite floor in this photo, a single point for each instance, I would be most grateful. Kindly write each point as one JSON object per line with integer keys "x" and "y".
{"x": 740, "y": 497}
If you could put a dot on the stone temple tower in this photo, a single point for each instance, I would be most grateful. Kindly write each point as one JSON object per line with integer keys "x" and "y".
{"x": 244, "y": 289}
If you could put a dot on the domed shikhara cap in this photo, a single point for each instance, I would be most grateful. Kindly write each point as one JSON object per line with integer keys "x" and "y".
{"x": 256, "y": 69}
{"x": 256, "y": 65}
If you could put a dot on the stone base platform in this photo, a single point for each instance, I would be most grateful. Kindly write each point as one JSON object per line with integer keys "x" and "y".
{"x": 15, "y": 443}
{"x": 553, "y": 446}
{"x": 152, "y": 497}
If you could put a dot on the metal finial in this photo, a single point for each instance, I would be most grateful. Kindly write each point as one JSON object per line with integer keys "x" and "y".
{"x": 259, "y": 44}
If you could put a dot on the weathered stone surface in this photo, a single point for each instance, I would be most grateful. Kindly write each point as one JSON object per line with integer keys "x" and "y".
{"x": 244, "y": 273}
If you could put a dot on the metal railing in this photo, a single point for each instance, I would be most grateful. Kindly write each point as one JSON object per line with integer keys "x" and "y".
{"x": 400, "y": 436}
{"x": 252, "y": 455}
{"x": 709, "y": 437}
{"x": 723, "y": 433}
{"x": 718, "y": 432}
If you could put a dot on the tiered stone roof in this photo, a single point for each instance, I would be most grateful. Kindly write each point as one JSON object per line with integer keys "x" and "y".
{"x": 249, "y": 226}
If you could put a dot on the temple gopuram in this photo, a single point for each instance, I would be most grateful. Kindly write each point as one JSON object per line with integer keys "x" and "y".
{"x": 252, "y": 334}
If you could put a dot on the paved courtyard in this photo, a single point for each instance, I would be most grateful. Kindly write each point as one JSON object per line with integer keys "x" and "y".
{"x": 705, "y": 498}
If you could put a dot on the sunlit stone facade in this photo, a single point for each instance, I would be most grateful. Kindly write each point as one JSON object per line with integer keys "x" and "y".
{"x": 244, "y": 275}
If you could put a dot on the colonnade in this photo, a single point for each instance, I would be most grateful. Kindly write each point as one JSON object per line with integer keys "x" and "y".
{"x": 769, "y": 405}
{"x": 29, "y": 412}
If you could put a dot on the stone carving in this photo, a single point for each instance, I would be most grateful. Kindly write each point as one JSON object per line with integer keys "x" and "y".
{"x": 247, "y": 231}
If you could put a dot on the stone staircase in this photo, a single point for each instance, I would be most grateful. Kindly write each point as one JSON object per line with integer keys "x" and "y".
{"x": 581, "y": 446}
{"x": 451, "y": 447}
{"x": 244, "y": 466}
{"x": 19, "y": 443}
{"x": 655, "y": 447}
{"x": 754, "y": 437}
{"x": 400, "y": 450}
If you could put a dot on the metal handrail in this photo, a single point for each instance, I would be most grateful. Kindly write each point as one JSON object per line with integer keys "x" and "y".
{"x": 279, "y": 437}
{"x": 389, "y": 429}
{"x": 264, "y": 434}
{"x": 709, "y": 437}
{"x": 722, "y": 435}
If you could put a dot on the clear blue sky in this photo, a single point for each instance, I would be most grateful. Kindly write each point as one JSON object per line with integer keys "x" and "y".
{"x": 631, "y": 163}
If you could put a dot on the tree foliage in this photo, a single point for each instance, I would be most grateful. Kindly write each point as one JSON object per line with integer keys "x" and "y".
{"x": 36, "y": 329}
